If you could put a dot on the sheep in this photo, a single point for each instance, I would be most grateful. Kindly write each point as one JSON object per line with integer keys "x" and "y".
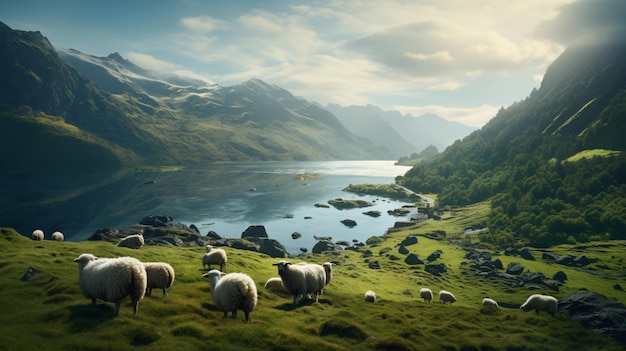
{"x": 160, "y": 275}
{"x": 214, "y": 256}
{"x": 301, "y": 279}
{"x": 539, "y": 302}
{"x": 370, "y": 296}
{"x": 426, "y": 294}
{"x": 490, "y": 302}
{"x": 446, "y": 296}
{"x": 111, "y": 279}
{"x": 328, "y": 268}
{"x": 37, "y": 235}
{"x": 58, "y": 236}
{"x": 232, "y": 292}
{"x": 275, "y": 284}
{"x": 134, "y": 241}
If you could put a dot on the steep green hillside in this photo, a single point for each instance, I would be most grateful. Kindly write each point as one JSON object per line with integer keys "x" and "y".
{"x": 48, "y": 312}
{"x": 525, "y": 160}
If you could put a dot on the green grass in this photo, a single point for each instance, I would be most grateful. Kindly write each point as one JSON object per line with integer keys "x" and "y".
{"x": 50, "y": 313}
{"x": 591, "y": 154}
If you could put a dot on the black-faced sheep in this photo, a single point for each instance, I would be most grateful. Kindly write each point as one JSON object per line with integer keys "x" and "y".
{"x": 370, "y": 296}
{"x": 58, "y": 236}
{"x": 489, "y": 302}
{"x": 232, "y": 292}
{"x": 302, "y": 279}
{"x": 446, "y": 296}
{"x": 214, "y": 256}
{"x": 111, "y": 279}
{"x": 328, "y": 268}
{"x": 37, "y": 235}
{"x": 539, "y": 302}
{"x": 426, "y": 294}
{"x": 134, "y": 241}
{"x": 160, "y": 275}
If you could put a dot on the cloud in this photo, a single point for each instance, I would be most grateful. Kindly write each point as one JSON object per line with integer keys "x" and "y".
{"x": 201, "y": 24}
{"x": 151, "y": 63}
{"x": 586, "y": 21}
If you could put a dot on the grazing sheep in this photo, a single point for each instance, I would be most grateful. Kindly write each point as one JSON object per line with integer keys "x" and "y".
{"x": 446, "y": 296}
{"x": 111, "y": 279}
{"x": 58, "y": 236}
{"x": 426, "y": 294}
{"x": 275, "y": 284}
{"x": 328, "y": 268}
{"x": 232, "y": 292}
{"x": 214, "y": 256}
{"x": 37, "y": 235}
{"x": 160, "y": 276}
{"x": 302, "y": 279}
{"x": 134, "y": 241}
{"x": 490, "y": 302}
{"x": 370, "y": 296}
{"x": 539, "y": 302}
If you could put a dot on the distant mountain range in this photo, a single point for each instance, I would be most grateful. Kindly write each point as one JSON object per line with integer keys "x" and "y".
{"x": 403, "y": 135}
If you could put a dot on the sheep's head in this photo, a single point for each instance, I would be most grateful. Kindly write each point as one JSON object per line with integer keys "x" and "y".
{"x": 328, "y": 266}
{"x": 214, "y": 275}
{"x": 282, "y": 266}
{"x": 84, "y": 259}
{"x": 208, "y": 248}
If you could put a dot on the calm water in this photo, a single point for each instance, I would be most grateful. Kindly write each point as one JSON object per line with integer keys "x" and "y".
{"x": 217, "y": 197}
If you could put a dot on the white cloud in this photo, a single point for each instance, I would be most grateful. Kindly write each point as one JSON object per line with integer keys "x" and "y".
{"x": 201, "y": 24}
{"x": 151, "y": 63}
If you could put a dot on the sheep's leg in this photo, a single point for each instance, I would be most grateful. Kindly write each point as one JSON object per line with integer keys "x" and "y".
{"x": 117, "y": 307}
{"x": 317, "y": 296}
{"x": 135, "y": 306}
{"x": 164, "y": 292}
{"x": 234, "y": 314}
{"x": 148, "y": 291}
{"x": 295, "y": 298}
{"x": 247, "y": 314}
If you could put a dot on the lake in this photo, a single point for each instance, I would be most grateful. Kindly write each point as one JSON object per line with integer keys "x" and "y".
{"x": 222, "y": 197}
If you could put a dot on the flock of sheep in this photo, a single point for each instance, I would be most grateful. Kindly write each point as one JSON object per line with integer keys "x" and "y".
{"x": 113, "y": 279}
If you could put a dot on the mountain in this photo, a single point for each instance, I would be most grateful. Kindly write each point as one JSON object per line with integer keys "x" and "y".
{"x": 553, "y": 165}
{"x": 63, "y": 108}
{"x": 401, "y": 134}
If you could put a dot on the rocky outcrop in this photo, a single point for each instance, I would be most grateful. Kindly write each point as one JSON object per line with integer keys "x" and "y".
{"x": 349, "y": 222}
{"x": 568, "y": 260}
{"x": 254, "y": 232}
{"x": 324, "y": 245}
{"x": 272, "y": 248}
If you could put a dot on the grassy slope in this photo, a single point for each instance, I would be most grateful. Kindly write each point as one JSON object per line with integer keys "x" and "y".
{"x": 49, "y": 312}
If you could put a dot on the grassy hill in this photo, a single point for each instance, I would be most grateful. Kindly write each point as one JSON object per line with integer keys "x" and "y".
{"x": 49, "y": 312}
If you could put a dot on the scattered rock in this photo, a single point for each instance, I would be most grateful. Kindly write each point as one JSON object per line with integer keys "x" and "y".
{"x": 254, "y": 232}
{"x": 156, "y": 221}
{"x": 272, "y": 248}
{"x": 409, "y": 240}
{"x": 372, "y": 213}
{"x": 213, "y": 235}
{"x": 31, "y": 272}
{"x": 304, "y": 249}
{"x": 403, "y": 224}
{"x": 403, "y": 250}
{"x": 413, "y": 259}
{"x": 514, "y": 268}
{"x": 349, "y": 223}
{"x": 296, "y": 235}
{"x": 560, "y": 276}
{"x": 322, "y": 206}
{"x": 374, "y": 265}
{"x": 526, "y": 254}
{"x": 436, "y": 269}
{"x": 324, "y": 245}
{"x": 328, "y": 238}
{"x": 618, "y": 287}
{"x": 433, "y": 256}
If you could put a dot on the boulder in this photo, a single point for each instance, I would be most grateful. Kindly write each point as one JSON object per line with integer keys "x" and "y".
{"x": 526, "y": 254}
{"x": 30, "y": 273}
{"x": 497, "y": 264}
{"x": 254, "y": 232}
{"x": 436, "y": 269}
{"x": 349, "y": 222}
{"x": 403, "y": 250}
{"x": 296, "y": 235}
{"x": 213, "y": 235}
{"x": 514, "y": 268}
{"x": 374, "y": 265}
{"x": 372, "y": 213}
{"x": 433, "y": 256}
{"x": 594, "y": 311}
{"x": 413, "y": 259}
{"x": 272, "y": 248}
{"x": 324, "y": 245}
{"x": 409, "y": 240}
{"x": 560, "y": 276}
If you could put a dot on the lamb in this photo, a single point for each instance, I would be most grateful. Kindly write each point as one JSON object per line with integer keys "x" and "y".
{"x": 302, "y": 279}
{"x": 160, "y": 275}
{"x": 232, "y": 292}
{"x": 489, "y": 302}
{"x": 58, "y": 236}
{"x": 111, "y": 279}
{"x": 214, "y": 256}
{"x": 37, "y": 235}
{"x": 446, "y": 296}
{"x": 134, "y": 241}
{"x": 426, "y": 294}
{"x": 370, "y": 296}
{"x": 539, "y": 302}
{"x": 275, "y": 284}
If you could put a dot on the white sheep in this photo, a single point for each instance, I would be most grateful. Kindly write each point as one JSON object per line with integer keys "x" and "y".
{"x": 302, "y": 279}
{"x": 133, "y": 241}
{"x": 232, "y": 292}
{"x": 426, "y": 294}
{"x": 214, "y": 256}
{"x": 111, "y": 279}
{"x": 370, "y": 296}
{"x": 489, "y": 302}
{"x": 446, "y": 296}
{"x": 275, "y": 284}
{"x": 58, "y": 236}
{"x": 328, "y": 268}
{"x": 160, "y": 275}
{"x": 37, "y": 235}
{"x": 539, "y": 302}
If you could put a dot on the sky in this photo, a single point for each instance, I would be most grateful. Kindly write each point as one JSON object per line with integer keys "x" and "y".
{"x": 459, "y": 59}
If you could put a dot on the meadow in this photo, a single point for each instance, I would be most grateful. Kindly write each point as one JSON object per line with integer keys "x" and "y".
{"x": 49, "y": 312}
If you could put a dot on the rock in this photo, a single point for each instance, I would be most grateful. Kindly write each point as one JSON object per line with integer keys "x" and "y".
{"x": 254, "y": 232}
{"x": 213, "y": 235}
{"x": 384, "y": 250}
{"x": 349, "y": 222}
{"x": 413, "y": 259}
{"x": 594, "y": 311}
{"x": 374, "y": 265}
{"x": 304, "y": 249}
{"x": 403, "y": 250}
{"x": 436, "y": 269}
{"x": 322, "y": 206}
{"x": 403, "y": 224}
{"x": 296, "y": 235}
{"x": 433, "y": 256}
{"x": 560, "y": 276}
{"x": 526, "y": 254}
{"x": 497, "y": 264}
{"x": 409, "y": 240}
{"x": 272, "y": 248}
{"x": 394, "y": 257}
{"x": 194, "y": 228}
{"x": 372, "y": 213}
{"x": 324, "y": 245}
{"x": 156, "y": 221}
{"x": 327, "y": 238}
{"x": 30, "y": 273}
{"x": 511, "y": 252}
{"x": 618, "y": 287}
{"x": 514, "y": 268}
